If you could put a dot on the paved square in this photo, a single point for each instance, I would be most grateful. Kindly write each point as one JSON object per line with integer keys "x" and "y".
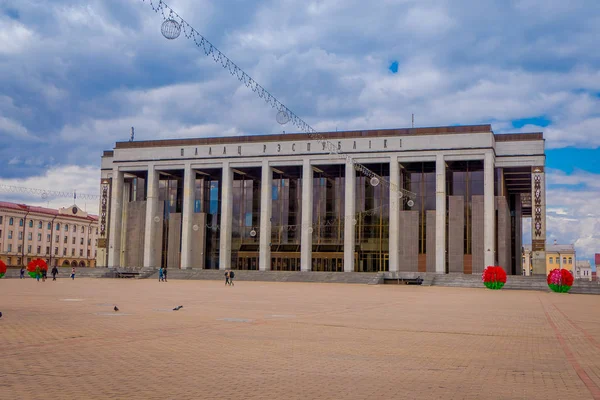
{"x": 62, "y": 340}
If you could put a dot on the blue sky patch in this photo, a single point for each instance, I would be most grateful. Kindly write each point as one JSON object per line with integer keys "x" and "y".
{"x": 568, "y": 159}
{"x": 538, "y": 121}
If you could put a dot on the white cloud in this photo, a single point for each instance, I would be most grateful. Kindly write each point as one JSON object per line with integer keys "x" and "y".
{"x": 63, "y": 179}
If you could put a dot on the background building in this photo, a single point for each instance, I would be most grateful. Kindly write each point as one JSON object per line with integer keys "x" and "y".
{"x": 63, "y": 237}
{"x": 451, "y": 199}
{"x": 561, "y": 256}
{"x": 583, "y": 270}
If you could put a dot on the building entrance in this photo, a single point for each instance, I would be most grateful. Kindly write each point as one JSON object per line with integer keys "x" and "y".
{"x": 285, "y": 261}
{"x": 247, "y": 261}
{"x": 328, "y": 262}
{"x": 373, "y": 262}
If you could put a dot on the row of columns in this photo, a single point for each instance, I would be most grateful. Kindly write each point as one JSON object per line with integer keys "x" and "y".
{"x": 150, "y": 254}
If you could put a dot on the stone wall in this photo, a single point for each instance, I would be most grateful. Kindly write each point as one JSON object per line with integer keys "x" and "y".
{"x": 503, "y": 227}
{"x": 430, "y": 240}
{"x": 174, "y": 241}
{"x": 456, "y": 233}
{"x": 135, "y": 226}
{"x": 409, "y": 241}
{"x": 477, "y": 235}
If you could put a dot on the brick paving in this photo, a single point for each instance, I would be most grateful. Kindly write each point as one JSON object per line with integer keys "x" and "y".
{"x": 259, "y": 340}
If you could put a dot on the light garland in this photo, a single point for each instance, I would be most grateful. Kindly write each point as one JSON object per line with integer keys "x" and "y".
{"x": 171, "y": 31}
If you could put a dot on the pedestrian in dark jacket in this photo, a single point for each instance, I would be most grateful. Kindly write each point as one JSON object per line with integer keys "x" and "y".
{"x": 54, "y": 272}
{"x": 231, "y": 276}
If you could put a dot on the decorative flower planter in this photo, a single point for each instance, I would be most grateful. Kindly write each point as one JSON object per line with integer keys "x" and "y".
{"x": 38, "y": 262}
{"x": 493, "y": 277}
{"x": 560, "y": 280}
{"x": 2, "y": 268}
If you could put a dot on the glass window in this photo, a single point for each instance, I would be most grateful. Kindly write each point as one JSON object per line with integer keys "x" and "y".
{"x": 81, "y": 241}
{"x": 10, "y": 234}
{"x": 10, "y": 221}
{"x": 31, "y": 223}
{"x": 29, "y": 236}
{"x": 39, "y": 249}
{"x": 570, "y": 260}
{"x": 56, "y": 238}
{"x": 28, "y": 249}
{"x": 10, "y": 247}
{"x": 21, "y": 222}
{"x": 66, "y": 227}
{"x": 57, "y": 227}
{"x": 20, "y": 235}
{"x": 0, "y": 219}
{"x": 20, "y": 249}
{"x": 551, "y": 260}
{"x": 74, "y": 228}
{"x": 72, "y": 252}
{"x": 40, "y": 225}
{"x": 80, "y": 252}
{"x": 0, "y": 233}
{"x": 73, "y": 240}
{"x": 49, "y": 225}
{"x": 64, "y": 252}
{"x": 48, "y": 237}
{"x": 9, "y": 261}
{"x": 47, "y": 250}
{"x": 564, "y": 260}
{"x": 39, "y": 237}
{"x": 56, "y": 251}
{"x": 18, "y": 260}
{"x": 83, "y": 229}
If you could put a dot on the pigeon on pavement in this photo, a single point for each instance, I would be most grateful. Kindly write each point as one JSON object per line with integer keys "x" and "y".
{"x": 0, "y": 314}
{"x": 116, "y": 308}
{"x": 177, "y": 308}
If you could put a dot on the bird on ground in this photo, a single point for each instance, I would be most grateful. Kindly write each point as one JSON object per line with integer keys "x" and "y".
{"x": 116, "y": 308}
{"x": 177, "y": 308}
{"x": 0, "y": 315}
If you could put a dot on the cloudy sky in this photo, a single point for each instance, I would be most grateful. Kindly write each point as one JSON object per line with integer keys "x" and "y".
{"x": 76, "y": 75}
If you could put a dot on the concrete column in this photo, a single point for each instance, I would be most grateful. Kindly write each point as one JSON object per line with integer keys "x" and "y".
{"x": 266, "y": 210}
{"x": 395, "y": 200}
{"x": 226, "y": 216}
{"x": 440, "y": 214}
{"x": 116, "y": 219}
{"x": 538, "y": 221}
{"x": 189, "y": 194}
{"x": 307, "y": 216}
{"x": 151, "y": 213}
{"x": 489, "y": 211}
{"x": 349, "y": 217}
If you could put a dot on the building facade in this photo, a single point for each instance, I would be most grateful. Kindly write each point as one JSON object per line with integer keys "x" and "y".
{"x": 445, "y": 199}
{"x": 583, "y": 270}
{"x": 558, "y": 256}
{"x": 63, "y": 237}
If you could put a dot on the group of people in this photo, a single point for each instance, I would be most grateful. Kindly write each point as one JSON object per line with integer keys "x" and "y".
{"x": 43, "y": 273}
{"x": 229, "y": 275}
{"x": 162, "y": 274}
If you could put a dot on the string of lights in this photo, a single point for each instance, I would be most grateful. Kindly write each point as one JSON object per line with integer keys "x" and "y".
{"x": 171, "y": 28}
{"x": 47, "y": 194}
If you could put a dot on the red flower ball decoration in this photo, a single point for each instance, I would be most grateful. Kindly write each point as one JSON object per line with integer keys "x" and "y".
{"x": 560, "y": 280}
{"x": 34, "y": 265}
{"x": 493, "y": 277}
{"x": 2, "y": 268}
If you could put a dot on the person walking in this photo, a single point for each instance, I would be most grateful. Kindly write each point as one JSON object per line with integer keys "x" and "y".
{"x": 44, "y": 274}
{"x": 73, "y": 273}
{"x": 160, "y": 274}
{"x": 231, "y": 276}
{"x": 165, "y": 274}
{"x": 38, "y": 274}
{"x": 226, "y": 277}
{"x": 54, "y": 272}
{"x": 22, "y": 273}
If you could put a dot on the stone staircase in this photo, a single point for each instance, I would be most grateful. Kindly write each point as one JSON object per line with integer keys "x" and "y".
{"x": 64, "y": 272}
{"x": 427, "y": 277}
{"x": 275, "y": 276}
